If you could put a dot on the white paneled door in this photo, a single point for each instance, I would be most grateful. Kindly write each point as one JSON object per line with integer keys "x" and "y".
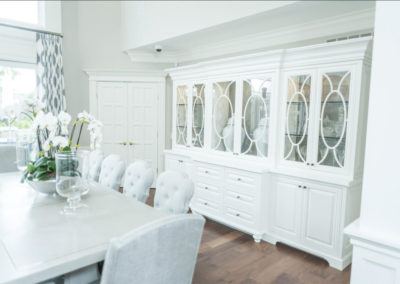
{"x": 142, "y": 123}
{"x": 112, "y": 112}
{"x": 129, "y": 114}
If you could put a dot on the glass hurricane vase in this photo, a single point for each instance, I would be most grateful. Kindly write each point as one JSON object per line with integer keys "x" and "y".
{"x": 25, "y": 148}
{"x": 70, "y": 182}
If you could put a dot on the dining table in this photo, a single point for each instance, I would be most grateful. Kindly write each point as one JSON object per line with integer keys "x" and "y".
{"x": 38, "y": 241}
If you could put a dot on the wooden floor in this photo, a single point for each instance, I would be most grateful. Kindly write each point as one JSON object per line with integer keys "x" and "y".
{"x": 230, "y": 256}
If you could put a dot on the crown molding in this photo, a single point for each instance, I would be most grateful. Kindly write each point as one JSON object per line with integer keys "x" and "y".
{"x": 353, "y": 22}
{"x": 358, "y": 49}
{"x": 129, "y": 75}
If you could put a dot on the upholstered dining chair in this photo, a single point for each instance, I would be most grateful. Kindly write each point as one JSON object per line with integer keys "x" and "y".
{"x": 174, "y": 190}
{"x": 139, "y": 177}
{"x": 112, "y": 171}
{"x": 93, "y": 166}
{"x": 164, "y": 251}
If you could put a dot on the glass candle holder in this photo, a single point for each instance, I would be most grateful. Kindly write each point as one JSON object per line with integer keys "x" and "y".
{"x": 69, "y": 180}
{"x": 25, "y": 148}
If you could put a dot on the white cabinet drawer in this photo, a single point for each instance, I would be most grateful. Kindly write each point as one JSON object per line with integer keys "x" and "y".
{"x": 207, "y": 206}
{"x": 239, "y": 216}
{"x": 205, "y": 171}
{"x": 242, "y": 200}
{"x": 242, "y": 179}
{"x": 206, "y": 187}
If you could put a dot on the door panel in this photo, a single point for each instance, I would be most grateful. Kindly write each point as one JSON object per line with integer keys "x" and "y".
{"x": 112, "y": 113}
{"x": 142, "y": 123}
{"x": 286, "y": 204}
{"x": 321, "y": 216}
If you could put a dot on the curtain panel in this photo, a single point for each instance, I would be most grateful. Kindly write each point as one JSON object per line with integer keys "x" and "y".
{"x": 50, "y": 74}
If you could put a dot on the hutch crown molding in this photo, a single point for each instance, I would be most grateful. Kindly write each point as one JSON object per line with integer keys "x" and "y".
{"x": 274, "y": 142}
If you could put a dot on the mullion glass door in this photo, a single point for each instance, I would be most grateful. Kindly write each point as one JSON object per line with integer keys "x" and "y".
{"x": 181, "y": 122}
{"x": 255, "y": 117}
{"x": 198, "y": 115}
{"x": 223, "y": 116}
{"x": 297, "y": 117}
{"x": 333, "y": 118}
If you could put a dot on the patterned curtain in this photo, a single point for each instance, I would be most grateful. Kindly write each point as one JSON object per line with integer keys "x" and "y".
{"x": 50, "y": 74}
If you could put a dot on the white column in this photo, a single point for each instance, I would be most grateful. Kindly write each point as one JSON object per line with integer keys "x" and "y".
{"x": 376, "y": 235}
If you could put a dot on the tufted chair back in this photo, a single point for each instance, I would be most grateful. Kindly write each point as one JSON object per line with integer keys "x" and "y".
{"x": 163, "y": 251}
{"x": 112, "y": 171}
{"x": 92, "y": 172}
{"x": 174, "y": 190}
{"x": 138, "y": 179}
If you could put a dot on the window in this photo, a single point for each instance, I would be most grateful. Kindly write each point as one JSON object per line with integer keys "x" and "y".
{"x": 16, "y": 85}
{"x": 20, "y": 11}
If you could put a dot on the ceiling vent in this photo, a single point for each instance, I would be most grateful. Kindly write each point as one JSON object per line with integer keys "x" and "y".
{"x": 349, "y": 37}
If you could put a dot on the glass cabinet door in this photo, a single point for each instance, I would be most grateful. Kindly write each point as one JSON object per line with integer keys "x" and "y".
{"x": 255, "y": 117}
{"x": 223, "y": 98}
{"x": 297, "y": 117}
{"x": 181, "y": 115}
{"x": 333, "y": 118}
{"x": 198, "y": 116}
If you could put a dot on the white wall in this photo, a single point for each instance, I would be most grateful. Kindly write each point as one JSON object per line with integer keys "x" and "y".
{"x": 380, "y": 208}
{"x": 92, "y": 40}
{"x": 145, "y": 22}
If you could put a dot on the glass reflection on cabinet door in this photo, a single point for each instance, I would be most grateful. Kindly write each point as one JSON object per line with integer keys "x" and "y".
{"x": 181, "y": 114}
{"x": 333, "y": 118}
{"x": 198, "y": 116}
{"x": 222, "y": 134}
{"x": 255, "y": 120}
{"x": 297, "y": 117}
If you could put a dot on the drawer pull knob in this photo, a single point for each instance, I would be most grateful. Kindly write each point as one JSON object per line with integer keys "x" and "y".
{"x": 206, "y": 172}
{"x": 237, "y": 214}
{"x": 304, "y": 187}
{"x": 312, "y": 164}
{"x": 180, "y": 161}
{"x": 205, "y": 203}
{"x": 239, "y": 179}
{"x": 238, "y": 197}
{"x": 206, "y": 187}
{"x": 299, "y": 186}
{"x": 308, "y": 164}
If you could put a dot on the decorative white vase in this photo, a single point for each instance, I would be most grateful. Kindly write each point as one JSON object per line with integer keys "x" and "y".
{"x": 228, "y": 135}
{"x": 261, "y": 135}
{"x": 43, "y": 186}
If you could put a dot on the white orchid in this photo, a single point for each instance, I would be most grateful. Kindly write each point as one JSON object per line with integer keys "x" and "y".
{"x": 64, "y": 118}
{"x": 49, "y": 122}
{"x": 11, "y": 112}
{"x": 85, "y": 117}
{"x": 47, "y": 145}
{"x": 60, "y": 141}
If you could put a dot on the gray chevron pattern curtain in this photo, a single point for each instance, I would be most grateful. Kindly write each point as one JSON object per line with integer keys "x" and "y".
{"x": 50, "y": 74}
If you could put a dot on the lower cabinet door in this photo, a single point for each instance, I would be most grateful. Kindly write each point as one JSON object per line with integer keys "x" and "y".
{"x": 286, "y": 201}
{"x": 321, "y": 216}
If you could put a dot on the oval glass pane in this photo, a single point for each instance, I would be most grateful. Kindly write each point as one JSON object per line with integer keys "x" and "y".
{"x": 297, "y": 116}
{"x": 223, "y": 120}
{"x": 333, "y": 119}
{"x": 198, "y": 116}
{"x": 181, "y": 115}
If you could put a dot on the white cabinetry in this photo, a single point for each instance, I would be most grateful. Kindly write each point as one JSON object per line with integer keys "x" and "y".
{"x": 275, "y": 142}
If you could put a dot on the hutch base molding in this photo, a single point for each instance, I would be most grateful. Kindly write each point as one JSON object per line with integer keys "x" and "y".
{"x": 274, "y": 142}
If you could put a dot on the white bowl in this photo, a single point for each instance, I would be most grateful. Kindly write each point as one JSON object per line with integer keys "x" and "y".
{"x": 43, "y": 186}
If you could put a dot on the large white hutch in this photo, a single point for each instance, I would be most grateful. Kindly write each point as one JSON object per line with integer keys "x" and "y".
{"x": 274, "y": 142}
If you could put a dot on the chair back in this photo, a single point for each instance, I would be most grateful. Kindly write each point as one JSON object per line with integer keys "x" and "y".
{"x": 139, "y": 177}
{"x": 164, "y": 251}
{"x": 174, "y": 190}
{"x": 93, "y": 166}
{"x": 112, "y": 171}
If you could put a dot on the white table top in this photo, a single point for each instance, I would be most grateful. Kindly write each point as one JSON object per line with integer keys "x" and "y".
{"x": 38, "y": 242}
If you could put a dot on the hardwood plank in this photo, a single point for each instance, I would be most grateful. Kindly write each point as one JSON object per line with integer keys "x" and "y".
{"x": 229, "y": 256}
